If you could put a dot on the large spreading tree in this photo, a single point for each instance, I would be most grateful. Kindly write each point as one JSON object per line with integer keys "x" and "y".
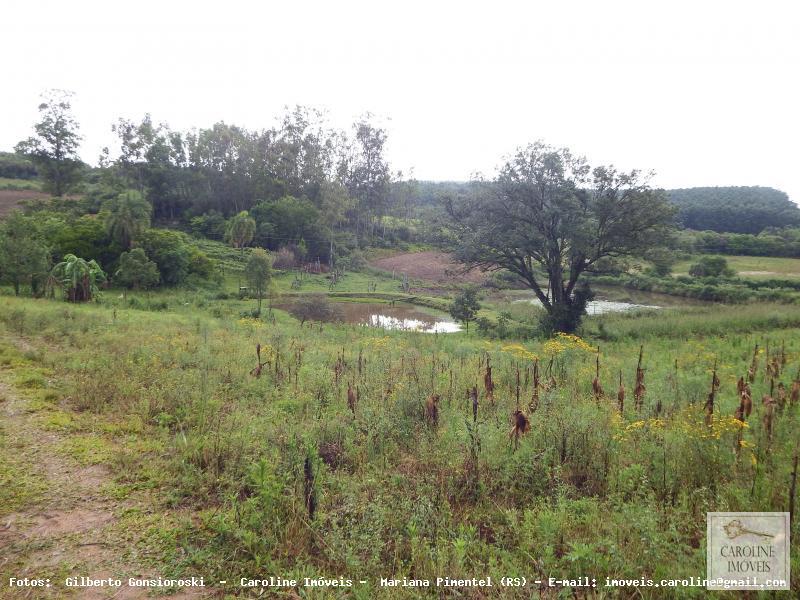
{"x": 549, "y": 218}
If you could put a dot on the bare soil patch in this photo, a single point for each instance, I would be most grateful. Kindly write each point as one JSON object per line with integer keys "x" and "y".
{"x": 435, "y": 266}
{"x": 77, "y": 520}
{"x": 11, "y": 199}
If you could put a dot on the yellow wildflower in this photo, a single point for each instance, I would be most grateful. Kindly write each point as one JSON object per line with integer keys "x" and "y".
{"x": 519, "y": 351}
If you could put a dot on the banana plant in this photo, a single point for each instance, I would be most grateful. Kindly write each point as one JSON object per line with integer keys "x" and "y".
{"x": 78, "y": 278}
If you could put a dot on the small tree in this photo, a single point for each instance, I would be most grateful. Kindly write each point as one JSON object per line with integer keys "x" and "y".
{"x": 302, "y": 250}
{"x": 54, "y": 148}
{"x": 314, "y": 307}
{"x": 465, "y": 306}
{"x": 78, "y": 278}
{"x": 136, "y": 270}
{"x": 259, "y": 273}
{"x": 170, "y": 251}
{"x": 241, "y": 230}
{"x": 24, "y": 258}
{"x": 126, "y": 217}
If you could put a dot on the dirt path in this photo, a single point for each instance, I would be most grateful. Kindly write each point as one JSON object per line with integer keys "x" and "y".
{"x": 68, "y": 525}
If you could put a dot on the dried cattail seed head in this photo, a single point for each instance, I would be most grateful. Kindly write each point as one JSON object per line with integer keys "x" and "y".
{"x": 781, "y": 395}
{"x": 746, "y": 403}
{"x": 432, "y": 409}
{"x": 521, "y": 422}
{"x": 351, "y": 398}
{"x": 769, "y": 416}
{"x": 521, "y": 425}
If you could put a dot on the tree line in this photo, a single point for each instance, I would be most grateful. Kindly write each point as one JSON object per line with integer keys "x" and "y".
{"x": 42, "y": 250}
{"x": 734, "y": 209}
{"x": 302, "y": 180}
{"x": 325, "y": 182}
{"x": 744, "y": 210}
{"x": 547, "y": 217}
{"x": 772, "y": 241}
{"x": 225, "y": 167}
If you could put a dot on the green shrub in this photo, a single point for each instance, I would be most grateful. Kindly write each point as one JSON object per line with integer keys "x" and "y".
{"x": 711, "y": 266}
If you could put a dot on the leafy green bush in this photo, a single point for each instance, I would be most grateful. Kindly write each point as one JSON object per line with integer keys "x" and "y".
{"x": 136, "y": 271}
{"x": 354, "y": 260}
{"x": 176, "y": 256}
{"x": 84, "y": 236}
{"x": 169, "y": 251}
{"x": 711, "y": 266}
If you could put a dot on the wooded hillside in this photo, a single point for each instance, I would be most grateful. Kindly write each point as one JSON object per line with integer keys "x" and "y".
{"x": 734, "y": 209}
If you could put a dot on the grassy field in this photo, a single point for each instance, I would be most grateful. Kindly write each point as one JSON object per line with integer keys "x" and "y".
{"x": 20, "y": 184}
{"x": 755, "y": 267}
{"x": 145, "y": 434}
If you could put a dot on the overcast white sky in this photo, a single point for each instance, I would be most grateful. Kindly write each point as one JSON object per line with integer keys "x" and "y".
{"x": 703, "y": 92}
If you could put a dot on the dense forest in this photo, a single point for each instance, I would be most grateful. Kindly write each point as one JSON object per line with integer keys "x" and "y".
{"x": 311, "y": 181}
{"x": 734, "y": 209}
{"x": 750, "y": 209}
{"x": 330, "y": 180}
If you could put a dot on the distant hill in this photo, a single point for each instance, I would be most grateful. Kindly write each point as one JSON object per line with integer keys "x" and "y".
{"x": 721, "y": 209}
{"x": 734, "y": 209}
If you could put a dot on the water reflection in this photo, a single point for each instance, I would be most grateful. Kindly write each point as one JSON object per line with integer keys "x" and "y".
{"x": 395, "y": 317}
{"x": 602, "y": 307}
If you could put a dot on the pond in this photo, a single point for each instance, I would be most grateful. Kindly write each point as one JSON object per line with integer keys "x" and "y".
{"x": 615, "y": 300}
{"x": 602, "y": 307}
{"x": 654, "y": 299}
{"x": 401, "y": 317}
